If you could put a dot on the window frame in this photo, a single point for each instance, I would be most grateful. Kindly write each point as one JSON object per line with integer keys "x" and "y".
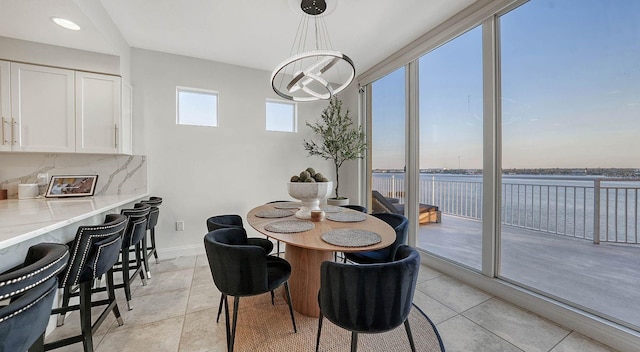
{"x": 183, "y": 89}
{"x": 281, "y": 102}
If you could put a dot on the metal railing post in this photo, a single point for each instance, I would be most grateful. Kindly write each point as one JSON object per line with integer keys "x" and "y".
{"x": 596, "y": 211}
{"x": 393, "y": 186}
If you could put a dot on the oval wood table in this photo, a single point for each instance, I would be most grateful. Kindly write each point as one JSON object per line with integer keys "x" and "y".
{"x": 305, "y": 251}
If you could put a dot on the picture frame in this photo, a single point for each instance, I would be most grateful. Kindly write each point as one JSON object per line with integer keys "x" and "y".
{"x": 62, "y": 186}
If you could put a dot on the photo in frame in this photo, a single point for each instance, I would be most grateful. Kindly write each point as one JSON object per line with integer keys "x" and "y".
{"x": 71, "y": 186}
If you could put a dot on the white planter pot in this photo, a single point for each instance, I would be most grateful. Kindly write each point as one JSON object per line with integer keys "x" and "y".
{"x": 338, "y": 202}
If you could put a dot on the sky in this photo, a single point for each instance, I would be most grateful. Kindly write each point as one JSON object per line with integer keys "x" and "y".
{"x": 570, "y": 79}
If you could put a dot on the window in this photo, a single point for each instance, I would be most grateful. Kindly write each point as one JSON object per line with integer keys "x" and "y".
{"x": 281, "y": 116}
{"x": 450, "y": 81}
{"x": 196, "y": 107}
{"x": 570, "y": 112}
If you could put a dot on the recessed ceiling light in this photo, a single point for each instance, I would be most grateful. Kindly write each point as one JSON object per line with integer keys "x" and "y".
{"x": 65, "y": 23}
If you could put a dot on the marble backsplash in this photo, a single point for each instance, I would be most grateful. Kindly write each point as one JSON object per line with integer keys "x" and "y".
{"x": 117, "y": 174}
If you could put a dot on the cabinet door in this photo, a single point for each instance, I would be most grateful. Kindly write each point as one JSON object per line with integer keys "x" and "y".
{"x": 98, "y": 113}
{"x": 42, "y": 108}
{"x": 126, "y": 122}
{"x": 5, "y": 107}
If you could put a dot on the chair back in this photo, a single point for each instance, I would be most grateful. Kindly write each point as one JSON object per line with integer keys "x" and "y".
{"x": 95, "y": 250}
{"x": 369, "y": 297}
{"x": 153, "y": 201}
{"x": 401, "y": 225}
{"x": 359, "y": 208}
{"x": 381, "y": 204}
{"x": 224, "y": 221}
{"x": 137, "y": 227}
{"x": 152, "y": 219}
{"x": 32, "y": 288}
{"x": 238, "y": 269}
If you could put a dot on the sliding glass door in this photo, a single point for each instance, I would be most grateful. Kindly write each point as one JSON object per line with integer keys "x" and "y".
{"x": 450, "y": 187}
{"x": 554, "y": 112}
{"x": 388, "y": 141}
{"x": 570, "y": 139}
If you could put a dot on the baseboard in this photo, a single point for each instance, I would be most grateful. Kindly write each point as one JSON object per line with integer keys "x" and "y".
{"x": 180, "y": 251}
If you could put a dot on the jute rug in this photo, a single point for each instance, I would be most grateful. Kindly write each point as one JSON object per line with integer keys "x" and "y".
{"x": 263, "y": 327}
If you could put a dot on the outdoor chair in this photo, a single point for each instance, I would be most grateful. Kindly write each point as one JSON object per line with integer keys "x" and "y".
{"x": 382, "y": 204}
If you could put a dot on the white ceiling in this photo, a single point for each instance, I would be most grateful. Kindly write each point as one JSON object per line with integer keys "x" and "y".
{"x": 251, "y": 33}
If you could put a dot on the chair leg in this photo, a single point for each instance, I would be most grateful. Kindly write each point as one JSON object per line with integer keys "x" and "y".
{"x": 125, "y": 276}
{"x": 112, "y": 297}
{"x": 354, "y": 341}
{"x": 273, "y": 302}
{"x": 222, "y": 301}
{"x": 236, "y": 304}
{"x": 145, "y": 258}
{"x": 139, "y": 263}
{"x": 85, "y": 316}
{"x": 38, "y": 345}
{"x": 153, "y": 243}
{"x": 293, "y": 319}
{"x": 66, "y": 295}
{"x": 409, "y": 335}
{"x": 228, "y": 323}
{"x": 319, "y": 330}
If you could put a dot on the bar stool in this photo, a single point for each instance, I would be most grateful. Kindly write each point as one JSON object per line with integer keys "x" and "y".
{"x": 31, "y": 288}
{"x": 94, "y": 252}
{"x": 135, "y": 232}
{"x": 152, "y": 221}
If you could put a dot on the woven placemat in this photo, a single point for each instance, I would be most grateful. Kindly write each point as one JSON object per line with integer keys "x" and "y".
{"x": 289, "y": 226}
{"x": 287, "y": 205}
{"x": 274, "y": 213}
{"x": 331, "y": 208}
{"x": 347, "y": 216}
{"x": 351, "y": 237}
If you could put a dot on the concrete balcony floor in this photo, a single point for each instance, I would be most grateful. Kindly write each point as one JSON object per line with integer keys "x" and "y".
{"x": 600, "y": 278}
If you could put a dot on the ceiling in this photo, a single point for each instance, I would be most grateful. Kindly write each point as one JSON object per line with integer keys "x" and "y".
{"x": 251, "y": 33}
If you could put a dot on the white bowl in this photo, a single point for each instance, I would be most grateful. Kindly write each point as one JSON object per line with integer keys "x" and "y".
{"x": 310, "y": 194}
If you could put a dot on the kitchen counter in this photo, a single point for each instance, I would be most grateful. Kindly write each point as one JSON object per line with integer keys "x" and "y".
{"x": 26, "y": 222}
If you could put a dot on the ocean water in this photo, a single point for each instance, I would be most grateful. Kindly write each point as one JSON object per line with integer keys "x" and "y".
{"x": 563, "y": 205}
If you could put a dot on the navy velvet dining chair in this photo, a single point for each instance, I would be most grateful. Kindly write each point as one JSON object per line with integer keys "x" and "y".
{"x": 235, "y": 221}
{"x": 401, "y": 226}
{"x": 369, "y": 298}
{"x": 240, "y": 269}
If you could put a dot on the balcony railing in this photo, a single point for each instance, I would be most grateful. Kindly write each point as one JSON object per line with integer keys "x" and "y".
{"x": 595, "y": 209}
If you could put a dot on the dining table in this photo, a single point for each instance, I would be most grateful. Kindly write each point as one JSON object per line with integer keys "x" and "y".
{"x": 309, "y": 243}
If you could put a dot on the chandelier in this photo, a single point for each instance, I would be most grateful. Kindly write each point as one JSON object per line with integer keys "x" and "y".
{"x": 313, "y": 71}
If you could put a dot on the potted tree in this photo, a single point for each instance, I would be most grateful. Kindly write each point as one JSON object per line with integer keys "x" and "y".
{"x": 338, "y": 141}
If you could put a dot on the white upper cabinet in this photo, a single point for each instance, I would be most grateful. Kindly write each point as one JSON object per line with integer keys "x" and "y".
{"x": 42, "y": 109}
{"x": 52, "y": 110}
{"x": 5, "y": 107}
{"x": 98, "y": 113}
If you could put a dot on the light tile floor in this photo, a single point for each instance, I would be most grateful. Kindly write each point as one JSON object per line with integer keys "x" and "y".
{"x": 174, "y": 313}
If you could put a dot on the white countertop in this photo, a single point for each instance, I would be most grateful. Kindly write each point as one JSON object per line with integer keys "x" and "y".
{"x": 23, "y": 219}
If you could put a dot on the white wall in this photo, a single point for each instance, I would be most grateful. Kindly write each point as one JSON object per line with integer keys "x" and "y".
{"x": 205, "y": 171}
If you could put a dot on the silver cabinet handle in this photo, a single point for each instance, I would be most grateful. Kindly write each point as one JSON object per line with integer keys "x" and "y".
{"x": 13, "y": 123}
{"x": 116, "y": 135}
